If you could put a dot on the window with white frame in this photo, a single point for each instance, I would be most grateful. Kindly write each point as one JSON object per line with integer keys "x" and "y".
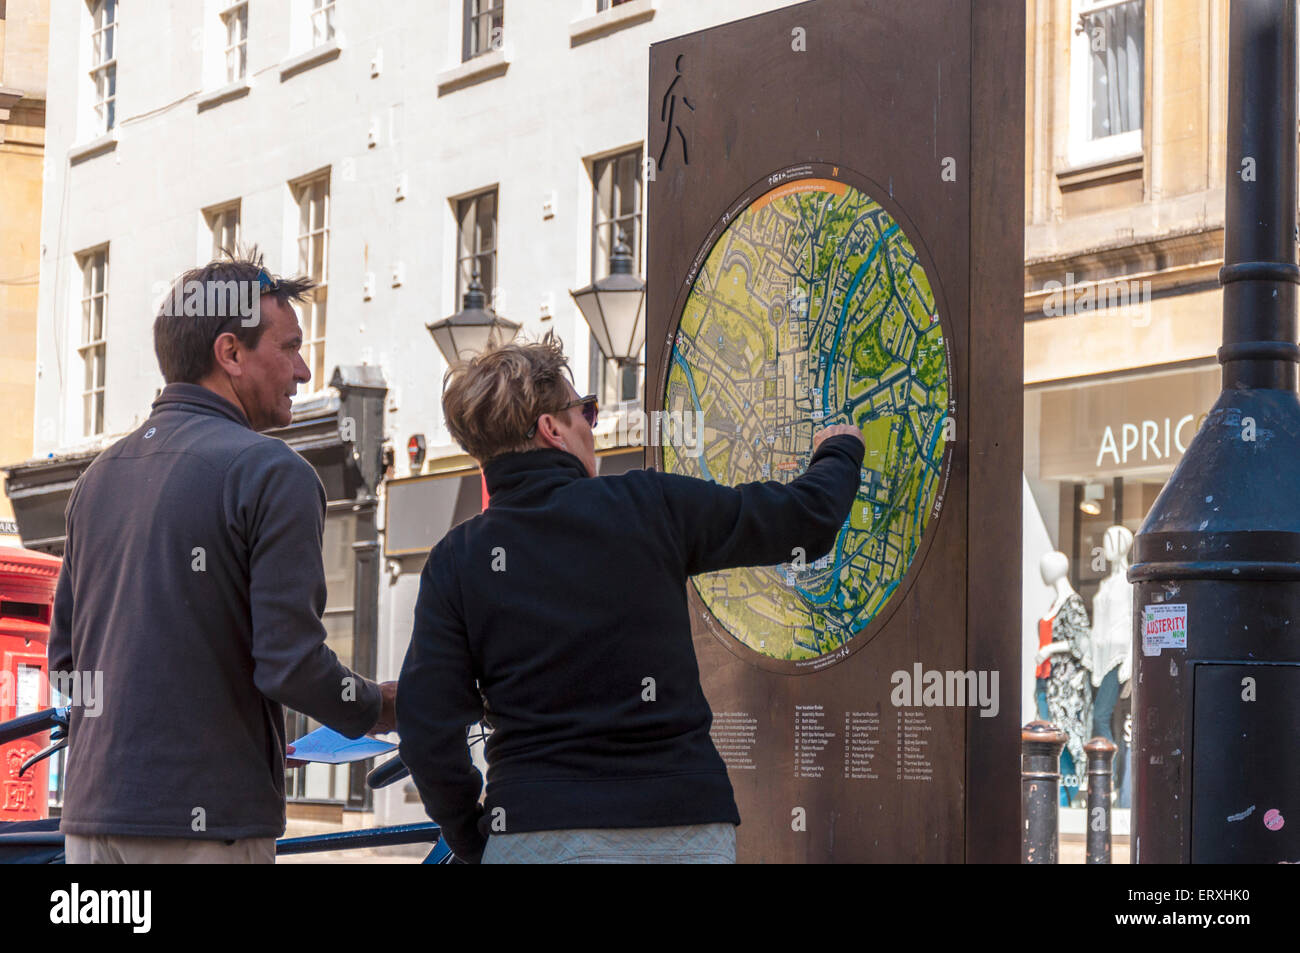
{"x": 616, "y": 210}
{"x": 223, "y": 220}
{"x": 603, "y": 5}
{"x": 103, "y": 63}
{"x": 235, "y": 21}
{"x": 616, "y": 207}
{"x": 322, "y": 21}
{"x": 313, "y": 198}
{"x": 476, "y": 243}
{"x": 484, "y": 26}
{"x": 1107, "y": 71}
{"x": 94, "y": 307}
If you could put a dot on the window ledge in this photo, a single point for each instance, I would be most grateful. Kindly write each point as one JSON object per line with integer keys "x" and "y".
{"x": 1124, "y": 166}
{"x": 224, "y": 94}
{"x": 97, "y": 146}
{"x": 611, "y": 20}
{"x": 483, "y": 67}
{"x": 314, "y": 57}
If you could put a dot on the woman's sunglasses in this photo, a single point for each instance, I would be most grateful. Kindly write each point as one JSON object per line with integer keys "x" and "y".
{"x": 590, "y": 411}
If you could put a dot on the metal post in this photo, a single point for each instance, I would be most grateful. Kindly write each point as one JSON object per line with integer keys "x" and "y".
{"x": 1101, "y": 757}
{"x": 1216, "y": 564}
{"x": 1040, "y": 789}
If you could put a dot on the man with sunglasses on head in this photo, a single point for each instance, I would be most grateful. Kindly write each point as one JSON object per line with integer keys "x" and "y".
{"x": 193, "y": 579}
{"x": 559, "y": 615}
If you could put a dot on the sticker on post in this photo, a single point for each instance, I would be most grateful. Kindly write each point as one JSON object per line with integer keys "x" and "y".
{"x": 1164, "y": 627}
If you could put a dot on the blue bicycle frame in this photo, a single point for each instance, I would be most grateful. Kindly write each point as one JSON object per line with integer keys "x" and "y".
{"x": 41, "y": 842}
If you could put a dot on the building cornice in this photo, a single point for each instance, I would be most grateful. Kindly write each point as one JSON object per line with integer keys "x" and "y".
{"x": 1187, "y": 260}
{"x": 8, "y": 99}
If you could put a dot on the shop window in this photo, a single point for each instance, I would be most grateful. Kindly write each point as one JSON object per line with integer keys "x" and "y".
{"x": 1088, "y": 510}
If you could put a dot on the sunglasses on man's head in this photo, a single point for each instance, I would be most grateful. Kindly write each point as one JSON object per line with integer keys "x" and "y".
{"x": 266, "y": 285}
{"x": 590, "y": 411}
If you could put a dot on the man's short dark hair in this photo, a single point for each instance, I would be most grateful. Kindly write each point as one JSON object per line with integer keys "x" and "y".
{"x": 198, "y": 308}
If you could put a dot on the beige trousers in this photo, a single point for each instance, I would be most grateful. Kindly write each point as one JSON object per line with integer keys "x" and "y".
{"x": 114, "y": 849}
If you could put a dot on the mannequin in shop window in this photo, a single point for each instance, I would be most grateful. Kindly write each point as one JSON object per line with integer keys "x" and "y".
{"x": 1064, "y": 670}
{"x": 1112, "y": 647}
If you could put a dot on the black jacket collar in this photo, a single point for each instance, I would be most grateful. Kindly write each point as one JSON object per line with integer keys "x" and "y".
{"x": 196, "y": 399}
{"x": 528, "y": 474}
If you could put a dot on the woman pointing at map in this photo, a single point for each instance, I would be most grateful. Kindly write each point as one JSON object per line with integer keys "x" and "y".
{"x": 559, "y": 615}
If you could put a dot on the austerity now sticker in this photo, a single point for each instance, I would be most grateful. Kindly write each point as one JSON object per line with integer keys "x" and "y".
{"x": 1164, "y": 627}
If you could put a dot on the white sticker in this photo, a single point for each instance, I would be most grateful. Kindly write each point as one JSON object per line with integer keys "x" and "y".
{"x": 1164, "y": 627}
{"x": 29, "y": 689}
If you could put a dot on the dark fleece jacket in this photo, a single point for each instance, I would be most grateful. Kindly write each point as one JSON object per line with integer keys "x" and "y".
{"x": 193, "y": 581}
{"x": 548, "y": 613}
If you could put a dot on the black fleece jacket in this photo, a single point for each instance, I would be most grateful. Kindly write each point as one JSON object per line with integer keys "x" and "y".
{"x": 193, "y": 586}
{"x": 548, "y": 614}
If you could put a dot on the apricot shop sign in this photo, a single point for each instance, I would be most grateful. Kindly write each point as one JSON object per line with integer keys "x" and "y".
{"x": 1113, "y": 427}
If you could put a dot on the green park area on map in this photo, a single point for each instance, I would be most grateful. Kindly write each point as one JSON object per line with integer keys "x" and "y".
{"x": 813, "y": 309}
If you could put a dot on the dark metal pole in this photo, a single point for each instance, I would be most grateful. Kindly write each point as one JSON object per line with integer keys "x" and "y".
{"x": 1216, "y": 564}
{"x": 1040, "y": 791}
{"x": 1259, "y": 273}
{"x": 1101, "y": 756}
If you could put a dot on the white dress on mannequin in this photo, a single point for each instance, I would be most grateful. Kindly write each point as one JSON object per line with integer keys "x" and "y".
{"x": 1112, "y": 629}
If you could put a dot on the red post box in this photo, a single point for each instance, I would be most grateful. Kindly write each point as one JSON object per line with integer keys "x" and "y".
{"x": 27, "y": 581}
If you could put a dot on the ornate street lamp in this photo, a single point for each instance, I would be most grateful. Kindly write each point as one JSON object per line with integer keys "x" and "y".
{"x": 473, "y": 328}
{"x": 614, "y": 307}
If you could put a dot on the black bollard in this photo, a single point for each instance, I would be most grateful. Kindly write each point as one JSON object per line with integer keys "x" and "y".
{"x": 1101, "y": 756}
{"x": 1040, "y": 788}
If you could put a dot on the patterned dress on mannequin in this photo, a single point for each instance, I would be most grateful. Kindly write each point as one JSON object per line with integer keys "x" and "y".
{"x": 1069, "y": 689}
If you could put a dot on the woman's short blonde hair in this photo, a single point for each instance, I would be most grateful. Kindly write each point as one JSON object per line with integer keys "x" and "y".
{"x": 492, "y": 400}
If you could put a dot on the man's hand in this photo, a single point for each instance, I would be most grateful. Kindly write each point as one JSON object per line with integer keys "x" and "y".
{"x": 835, "y": 431}
{"x": 387, "y": 709}
{"x": 292, "y": 762}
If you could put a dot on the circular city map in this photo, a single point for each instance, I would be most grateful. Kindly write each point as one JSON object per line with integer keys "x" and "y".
{"x": 809, "y": 306}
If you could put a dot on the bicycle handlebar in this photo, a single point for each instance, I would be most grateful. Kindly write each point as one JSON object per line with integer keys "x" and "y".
{"x": 33, "y": 724}
{"x": 387, "y": 773}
